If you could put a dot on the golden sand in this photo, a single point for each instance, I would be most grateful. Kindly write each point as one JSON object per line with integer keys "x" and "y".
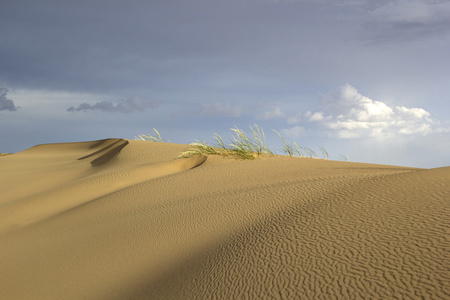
{"x": 119, "y": 219}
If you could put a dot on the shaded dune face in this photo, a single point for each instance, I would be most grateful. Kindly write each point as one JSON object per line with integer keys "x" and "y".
{"x": 108, "y": 149}
{"x": 46, "y": 180}
{"x": 118, "y": 219}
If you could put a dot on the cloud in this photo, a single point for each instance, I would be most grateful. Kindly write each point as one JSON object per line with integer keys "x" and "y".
{"x": 219, "y": 109}
{"x": 352, "y": 115}
{"x": 347, "y": 102}
{"x": 5, "y": 103}
{"x": 316, "y": 117}
{"x": 412, "y": 113}
{"x": 124, "y": 106}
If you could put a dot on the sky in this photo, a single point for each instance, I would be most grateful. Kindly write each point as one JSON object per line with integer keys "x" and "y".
{"x": 366, "y": 79}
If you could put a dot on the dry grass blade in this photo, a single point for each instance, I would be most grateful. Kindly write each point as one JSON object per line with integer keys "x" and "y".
{"x": 310, "y": 153}
{"x": 286, "y": 148}
{"x": 150, "y": 138}
{"x": 324, "y": 152}
{"x": 198, "y": 148}
{"x": 220, "y": 144}
{"x": 298, "y": 150}
{"x": 248, "y": 148}
{"x": 260, "y": 143}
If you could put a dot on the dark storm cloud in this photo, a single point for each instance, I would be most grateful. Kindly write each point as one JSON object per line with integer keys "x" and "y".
{"x": 5, "y": 103}
{"x": 103, "y": 46}
{"x": 210, "y": 47}
{"x": 100, "y": 45}
{"x": 111, "y": 46}
{"x": 125, "y": 106}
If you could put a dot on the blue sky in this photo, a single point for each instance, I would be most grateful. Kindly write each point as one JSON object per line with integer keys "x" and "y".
{"x": 365, "y": 79}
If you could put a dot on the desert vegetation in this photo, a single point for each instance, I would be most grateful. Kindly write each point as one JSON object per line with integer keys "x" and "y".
{"x": 149, "y": 137}
{"x": 242, "y": 145}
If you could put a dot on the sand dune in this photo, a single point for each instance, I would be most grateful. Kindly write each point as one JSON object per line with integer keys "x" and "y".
{"x": 119, "y": 219}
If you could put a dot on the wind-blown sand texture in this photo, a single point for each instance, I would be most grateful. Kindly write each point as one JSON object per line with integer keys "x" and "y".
{"x": 119, "y": 219}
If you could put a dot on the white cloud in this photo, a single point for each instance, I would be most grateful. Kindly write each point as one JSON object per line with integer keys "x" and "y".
{"x": 316, "y": 117}
{"x": 416, "y": 120}
{"x": 352, "y": 115}
{"x": 413, "y": 113}
{"x": 347, "y": 102}
{"x": 220, "y": 109}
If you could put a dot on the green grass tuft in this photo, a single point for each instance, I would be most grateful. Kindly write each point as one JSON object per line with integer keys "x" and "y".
{"x": 241, "y": 145}
{"x": 247, "y": 147}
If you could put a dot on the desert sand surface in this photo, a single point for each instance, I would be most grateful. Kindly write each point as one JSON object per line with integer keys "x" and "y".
{"x": 123, "y": 219}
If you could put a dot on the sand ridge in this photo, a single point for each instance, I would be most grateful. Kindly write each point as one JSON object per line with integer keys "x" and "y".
{"x": 74, "y": 181}
{"x": 273, "y": 228}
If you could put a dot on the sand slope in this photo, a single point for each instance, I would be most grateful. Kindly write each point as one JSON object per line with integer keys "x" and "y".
{"x": 118, "y": 219}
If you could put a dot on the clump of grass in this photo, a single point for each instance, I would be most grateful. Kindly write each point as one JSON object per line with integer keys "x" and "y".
{"x": 200, "y": 148}
{"x": 245, "y": 146}
{"x": 241, "y": 146}
{"x": 150, "y": 138}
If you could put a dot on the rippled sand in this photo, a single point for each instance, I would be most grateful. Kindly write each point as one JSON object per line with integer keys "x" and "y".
{"x": 119, "y": 219}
